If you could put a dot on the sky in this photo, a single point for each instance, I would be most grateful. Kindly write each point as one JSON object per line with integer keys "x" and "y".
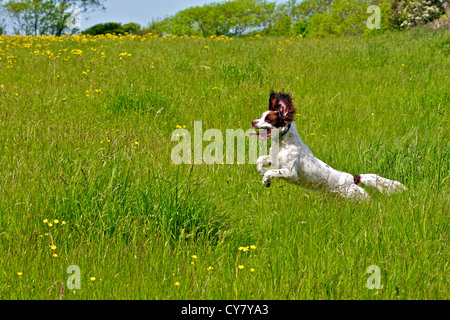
{"x": 139, "y": 11}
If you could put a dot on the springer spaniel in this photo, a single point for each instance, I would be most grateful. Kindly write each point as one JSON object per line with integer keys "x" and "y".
{"x": 294, "y": 161}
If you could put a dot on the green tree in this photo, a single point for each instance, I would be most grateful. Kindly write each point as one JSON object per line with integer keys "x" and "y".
{"x": 308, "y": 8}
{"x": 33, "y": 17}
{"x": 132, "y": 28}
{"x": 232, "y": 18}
{"x": 25, "y": 16}
{"x": 104, "y": 28}
{"x": 60, "y": 12}
{"x": 113, "y": 28}
{"x": 343, "y": 18}
{"x": 301, "y": 27}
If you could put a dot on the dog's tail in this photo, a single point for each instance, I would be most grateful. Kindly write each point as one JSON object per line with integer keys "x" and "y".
{"x": 382, "y": 184}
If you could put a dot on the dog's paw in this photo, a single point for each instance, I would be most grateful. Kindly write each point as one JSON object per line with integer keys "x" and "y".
{"x": 266, "y": 182}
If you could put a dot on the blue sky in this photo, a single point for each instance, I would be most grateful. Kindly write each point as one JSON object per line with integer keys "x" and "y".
{"x": 139, "y": 11}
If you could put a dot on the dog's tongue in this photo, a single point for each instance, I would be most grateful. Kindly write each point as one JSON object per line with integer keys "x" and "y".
{"x": 264, "y": 134}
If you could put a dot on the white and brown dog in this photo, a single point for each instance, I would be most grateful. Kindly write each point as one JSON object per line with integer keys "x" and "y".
{"x": 295, "y": 163}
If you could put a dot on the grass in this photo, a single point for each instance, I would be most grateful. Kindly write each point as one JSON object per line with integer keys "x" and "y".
{"x": 85, "y": 138}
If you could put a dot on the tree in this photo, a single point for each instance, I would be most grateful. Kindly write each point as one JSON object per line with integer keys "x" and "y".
{"x": 411, "y": 13}
{"x": 38, "y": 17}
{"x": 21, "y": 12}
{"x": 341, "y": 17}
{"x": 131, "y": 28}
{"x": 231, "y": 18}
{"x": 104, "y": 28}
{"x": 308, "y": 8}
{"x": 61, "y": 13}
{"x": 113, "y": 28}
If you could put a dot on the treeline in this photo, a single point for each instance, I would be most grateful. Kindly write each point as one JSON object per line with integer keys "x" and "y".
{"x": 308, "y": 18}
{"x": 314, "y": 18}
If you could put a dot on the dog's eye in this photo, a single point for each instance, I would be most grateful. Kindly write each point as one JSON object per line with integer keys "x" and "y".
{"x": 269, "y": 120}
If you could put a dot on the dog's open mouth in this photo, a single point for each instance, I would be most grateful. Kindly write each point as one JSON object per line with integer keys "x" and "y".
{"x": 263, "y": 134}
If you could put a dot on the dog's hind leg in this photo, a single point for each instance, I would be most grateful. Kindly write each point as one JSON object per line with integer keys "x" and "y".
{"x": 382, "y": 184}
{"x": 352, "y": 191}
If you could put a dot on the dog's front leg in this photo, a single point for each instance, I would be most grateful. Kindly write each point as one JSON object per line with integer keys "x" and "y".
{"x": 261, "y": 162}
{"x": 276, "y": 173}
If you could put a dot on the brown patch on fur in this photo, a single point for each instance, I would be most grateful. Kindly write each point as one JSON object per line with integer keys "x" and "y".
{"x": 286, "y": 107}
{"x": 273, "y": 101}
{"x": 357, "y": 179}
{"x": 273, "y": 118}
{"x": 281, "y": 106}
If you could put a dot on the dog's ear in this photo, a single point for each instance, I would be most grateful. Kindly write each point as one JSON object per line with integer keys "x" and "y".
{"x": 286, "y": 108}
{"x": 273, "y": 101}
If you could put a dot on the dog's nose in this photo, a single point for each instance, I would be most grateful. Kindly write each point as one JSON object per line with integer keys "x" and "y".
{"x": 254, "y": 122}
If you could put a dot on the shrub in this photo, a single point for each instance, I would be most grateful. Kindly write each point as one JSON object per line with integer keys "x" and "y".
{"x": 113, "y": 28}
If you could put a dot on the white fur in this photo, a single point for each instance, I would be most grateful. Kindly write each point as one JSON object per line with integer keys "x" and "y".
{"x": 297, "y": 164}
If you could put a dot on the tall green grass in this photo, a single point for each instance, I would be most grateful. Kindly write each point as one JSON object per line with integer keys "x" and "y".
{"x": 86, "y": 139}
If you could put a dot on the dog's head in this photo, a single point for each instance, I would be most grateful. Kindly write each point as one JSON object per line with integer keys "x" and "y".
{"x": 279, "y": 115}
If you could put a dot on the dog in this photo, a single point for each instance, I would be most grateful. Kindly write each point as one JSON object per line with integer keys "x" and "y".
{"x": 295, "y": 163}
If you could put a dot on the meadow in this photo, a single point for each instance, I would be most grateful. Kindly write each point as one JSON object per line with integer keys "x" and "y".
{"x": 86, "y": 176}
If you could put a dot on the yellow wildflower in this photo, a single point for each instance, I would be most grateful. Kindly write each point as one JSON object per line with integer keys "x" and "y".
{"x": 77, "y": 52}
